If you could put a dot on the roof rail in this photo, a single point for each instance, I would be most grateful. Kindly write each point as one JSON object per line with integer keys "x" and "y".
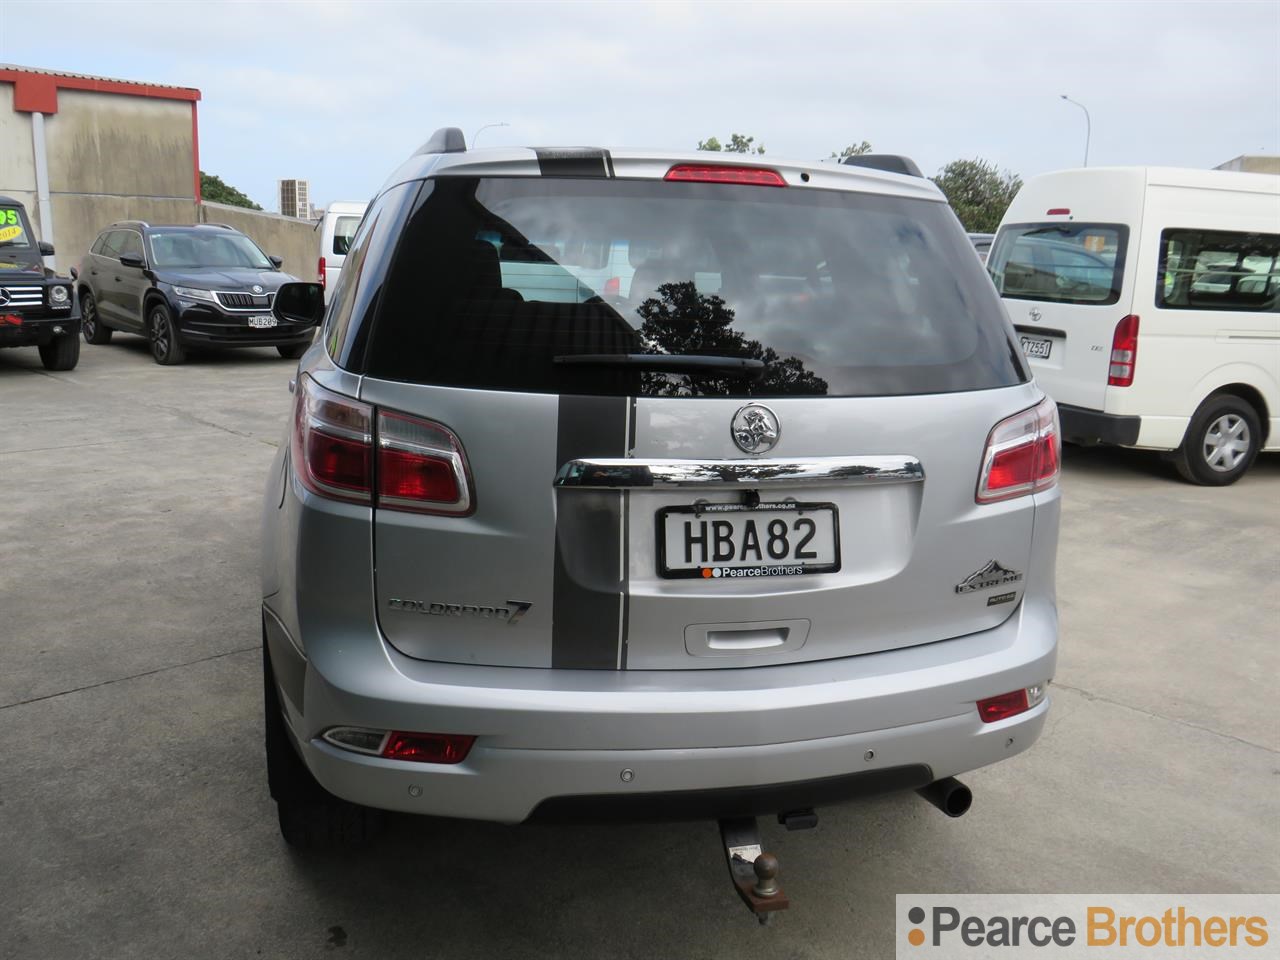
{"x": 444, "y": 140}
{"x": 225, "y": 226}
{"x": 131, "y": 223}
{"x": 888, "y": 162}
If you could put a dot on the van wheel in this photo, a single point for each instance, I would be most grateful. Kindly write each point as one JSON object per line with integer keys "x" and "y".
{"x": 90, "y": 323}
{"x": 1221, "y": 442}
{"x": 61, "y": 353}
{"x": 310, "y": 817}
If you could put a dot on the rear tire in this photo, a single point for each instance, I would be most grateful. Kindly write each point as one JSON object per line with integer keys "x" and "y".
{"x": 90, "y": 323}
{"x": 163, "y": 336}
{"x": 61, "y": 353}
{"x": 1221, "y": 442}
{"x": 310, "y": 817}
{"x": 294, "y": 351}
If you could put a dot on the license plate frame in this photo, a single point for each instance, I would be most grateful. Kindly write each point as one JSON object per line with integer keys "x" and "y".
{"x": 1032, "y": 347}
{"x": 763, "y": 571}
{"x": 263, "y": 322}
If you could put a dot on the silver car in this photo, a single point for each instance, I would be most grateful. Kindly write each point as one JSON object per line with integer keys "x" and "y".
{"x": 627, "y": 484}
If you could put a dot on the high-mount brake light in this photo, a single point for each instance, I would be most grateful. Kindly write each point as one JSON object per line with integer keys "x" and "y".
{"x": 419, "y": 465}
{"x": 1124, "y": 353}
{"x": 1023, "y": 454}
{"x": 720, "y": 173}
{"x": 320, "y": 274}
{"x": 1058, "y": 212}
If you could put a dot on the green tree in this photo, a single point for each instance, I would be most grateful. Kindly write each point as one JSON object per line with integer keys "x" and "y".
{"x": 737, "y": 144}
{"x": 978, "y": 191}
{"x": 215, "y": 191}
{"x": 853, "y": 150}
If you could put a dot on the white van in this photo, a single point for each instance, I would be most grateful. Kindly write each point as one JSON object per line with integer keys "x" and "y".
{"x": 336, "y": 230}
{"x": 1146, "y": 300}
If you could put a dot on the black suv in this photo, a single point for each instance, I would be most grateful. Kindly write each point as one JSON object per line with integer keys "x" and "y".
{"x": 206, "y": 285}
{"x": 37, "y": 307}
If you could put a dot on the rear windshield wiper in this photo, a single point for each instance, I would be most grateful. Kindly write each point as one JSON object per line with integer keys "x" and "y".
{"x": 667, "y": 363}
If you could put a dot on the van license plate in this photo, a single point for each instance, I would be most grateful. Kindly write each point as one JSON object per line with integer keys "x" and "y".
{"x": 731, "y": 541}
{"x": 262, "y": 323}
{"x": 1037, "y": 348}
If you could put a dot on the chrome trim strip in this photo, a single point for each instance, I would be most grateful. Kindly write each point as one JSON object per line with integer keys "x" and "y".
{"x": 629, "y": 474}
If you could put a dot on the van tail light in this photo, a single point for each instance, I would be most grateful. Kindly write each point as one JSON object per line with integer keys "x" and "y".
{"x": 419, "y": 465}
{"x": 1023, "y": 455}
{"x": 1124, "y": 353}
{"x": 719, "y": 173}
{"x": 320, "y": 273}
{"x": 333, "y": 443}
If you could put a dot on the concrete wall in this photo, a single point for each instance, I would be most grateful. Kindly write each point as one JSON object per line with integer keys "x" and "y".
{"x": 79, "y": 218}
{"x": 295, "y": 240}
{"x": 105, "y": 143}
{"x": 17, "y": 158}
{"x": 1255, "y": 163}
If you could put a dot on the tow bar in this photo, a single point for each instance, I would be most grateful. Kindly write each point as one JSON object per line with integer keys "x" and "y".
{"x": 754, "y": 872}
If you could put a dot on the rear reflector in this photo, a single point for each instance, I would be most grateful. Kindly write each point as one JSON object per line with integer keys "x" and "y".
{"x": 1058, "y": 212}
{"x": 398, "y": 745}
{"x": 428, "y": 747}
{"x": 1011, "y": 704}
{"x": 715, "y": 173}
{"x": 1023, "y": 454}
{"x": 1124, "y": 353}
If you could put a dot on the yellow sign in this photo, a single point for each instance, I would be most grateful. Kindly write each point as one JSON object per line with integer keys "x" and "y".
{"x": 10, "y": 233}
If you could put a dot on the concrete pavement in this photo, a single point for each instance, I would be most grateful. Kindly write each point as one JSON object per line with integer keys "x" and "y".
{"x": 134, "y": 817}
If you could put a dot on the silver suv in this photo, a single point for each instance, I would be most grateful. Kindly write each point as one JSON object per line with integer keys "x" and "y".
{"x": 640, "y": 485}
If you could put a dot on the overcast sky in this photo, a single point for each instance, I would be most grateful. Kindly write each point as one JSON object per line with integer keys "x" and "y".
{"x": 339, "y": 93}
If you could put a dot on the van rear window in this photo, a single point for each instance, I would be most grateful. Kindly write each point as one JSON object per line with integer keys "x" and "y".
{"x": 1060, "y": 262}
{"x": 607, "y": 287}
{"x": 1219, "y": 270}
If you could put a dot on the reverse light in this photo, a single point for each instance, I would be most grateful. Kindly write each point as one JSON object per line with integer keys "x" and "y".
{"x": 1124, "y": 353}
{"x": 320, "y": 273}
{"x": 718, "y": 173}
{"x": 1011, "y": 704}
{"x": 1023, "y": 454}
{"x": 399, "y": 745}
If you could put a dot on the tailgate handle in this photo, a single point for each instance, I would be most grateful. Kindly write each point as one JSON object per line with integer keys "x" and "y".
{"x": 626, "y": 474}
{"x": 747, "y": 639}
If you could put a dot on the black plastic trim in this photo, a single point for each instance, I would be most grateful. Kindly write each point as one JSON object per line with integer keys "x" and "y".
{"x": 1082, "y": 425}
{"x": 752, "y": 801}
{"x": 578, "y": 162}
{"x": 888, "y": 162}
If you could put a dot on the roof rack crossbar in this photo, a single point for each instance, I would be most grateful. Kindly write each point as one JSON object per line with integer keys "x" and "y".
{"x": 888, "y": 162}
{"x": 444, "y": 140}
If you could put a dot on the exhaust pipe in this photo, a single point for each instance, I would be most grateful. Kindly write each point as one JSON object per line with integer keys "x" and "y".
{"x": 949, "y": 795}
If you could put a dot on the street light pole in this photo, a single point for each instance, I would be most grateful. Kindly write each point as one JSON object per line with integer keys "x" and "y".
{"x": 1088, "y": 126}
{"x": 484, "y": 128}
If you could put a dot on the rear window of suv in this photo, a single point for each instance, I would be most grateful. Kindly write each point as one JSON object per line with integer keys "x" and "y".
{"x": 542, "y": 284}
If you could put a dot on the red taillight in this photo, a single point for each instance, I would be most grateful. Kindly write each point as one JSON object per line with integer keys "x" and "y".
{"x": 333, "y": 443}
{"x": 1004, "y": 706}
{"x": 613, "y": 287}
{"x": 1023, "y": 454}
{"x": 428, "y": 747}
{"x": 320, "y": 273}
{"x": 1124, "y": 353}
{"x": 419, "y": 465}
{"x": 716, "y": 173}
{"x": 1057, "y": 212}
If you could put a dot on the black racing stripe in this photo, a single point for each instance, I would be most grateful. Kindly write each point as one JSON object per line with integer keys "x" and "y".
{"x": 574, "y": 162}
{"x": 586, "y": 607}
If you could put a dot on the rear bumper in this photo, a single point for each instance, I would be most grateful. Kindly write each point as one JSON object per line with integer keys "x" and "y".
{"x": 1083, "y": 425}
{"x": 553, "y": 744}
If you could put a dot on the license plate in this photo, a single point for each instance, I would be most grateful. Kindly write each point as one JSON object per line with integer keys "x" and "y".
{"x": 262, "y": 323}
{"x": 731, "y": 541}
{"x": 1035, "y": 347}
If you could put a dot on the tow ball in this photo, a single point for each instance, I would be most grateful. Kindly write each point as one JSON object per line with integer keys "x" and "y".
{"x": 754, "y": 873}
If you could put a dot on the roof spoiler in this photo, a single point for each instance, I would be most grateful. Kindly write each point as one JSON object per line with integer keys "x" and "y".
{"x": 888, "y": 162}
{"x": 444, "y": 140}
